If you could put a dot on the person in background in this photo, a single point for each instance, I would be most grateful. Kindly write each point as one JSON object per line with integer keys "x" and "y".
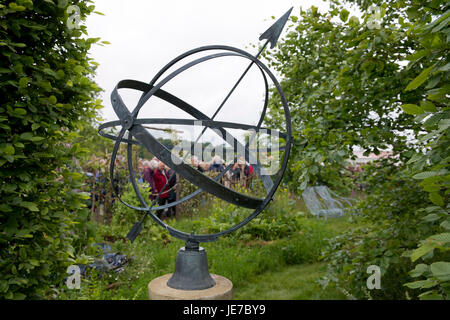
{"x": 245, "y": 169}
{"x": 228, "y": 176}
{"x": 172, "y": 193}
{"x": 250, "y": 176}
{"x": 196, "y": 164}
{"x": 140, "y": 172}
{"x": 240, "y": 172}
{"x": 235, "y": 173}
{"x": 160, "y": 179}
{"x": 204, "y": 166}
{"x": 217, "y": 164}
{"x": 149, "y": 174}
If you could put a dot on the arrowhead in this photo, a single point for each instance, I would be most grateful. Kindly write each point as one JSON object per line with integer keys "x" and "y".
{"x": 273, "y": 33}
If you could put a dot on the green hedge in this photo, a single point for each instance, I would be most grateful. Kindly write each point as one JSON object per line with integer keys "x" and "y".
{"x": 46, "y": 95}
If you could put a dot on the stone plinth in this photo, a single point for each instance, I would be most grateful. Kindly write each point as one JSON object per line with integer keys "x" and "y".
{"x": 159, "y": 290}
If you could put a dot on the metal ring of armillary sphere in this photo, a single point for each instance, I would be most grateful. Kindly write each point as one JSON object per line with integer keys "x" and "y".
{"x": 138, "y": 135}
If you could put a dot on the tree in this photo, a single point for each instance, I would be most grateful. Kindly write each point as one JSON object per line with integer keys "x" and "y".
{"x": 46, "y": 95}
{"x": 342, "y": 80}
{"x": 430, "y": 25}
{"x": 349, "y": 83}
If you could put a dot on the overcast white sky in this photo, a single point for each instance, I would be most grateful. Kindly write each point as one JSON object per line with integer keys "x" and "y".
{"x": 145, "y": 35}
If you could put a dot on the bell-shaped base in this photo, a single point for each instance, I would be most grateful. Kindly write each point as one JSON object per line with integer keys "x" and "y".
{"x": 191, "y": 271}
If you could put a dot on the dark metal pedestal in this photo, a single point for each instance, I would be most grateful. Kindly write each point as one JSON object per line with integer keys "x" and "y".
{"x": 191, "y": 269}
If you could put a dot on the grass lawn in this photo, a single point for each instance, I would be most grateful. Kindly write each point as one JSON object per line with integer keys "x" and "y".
{"x": 296, "y": 282}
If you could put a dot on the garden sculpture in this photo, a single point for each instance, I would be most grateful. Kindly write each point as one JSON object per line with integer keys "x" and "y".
{"x": 191, "y": 269}
{"x": 320, "y": 202}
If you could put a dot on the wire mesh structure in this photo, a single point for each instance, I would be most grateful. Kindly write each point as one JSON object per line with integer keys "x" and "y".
{"x": 321, "y": 201}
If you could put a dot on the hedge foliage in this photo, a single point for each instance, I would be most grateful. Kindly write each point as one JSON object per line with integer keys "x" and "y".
{"x": 47, "y": 95}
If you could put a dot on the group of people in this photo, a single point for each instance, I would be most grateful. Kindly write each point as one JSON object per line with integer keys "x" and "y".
{"x": 162, "y": 181}
{"x": 240, "y": 173}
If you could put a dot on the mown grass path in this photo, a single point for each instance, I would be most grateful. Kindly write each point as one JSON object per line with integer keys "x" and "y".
{"x": 297, "y": 282}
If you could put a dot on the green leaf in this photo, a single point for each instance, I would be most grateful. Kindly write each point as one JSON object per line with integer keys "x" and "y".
{"x": 441, "y": 270}
{"x": 7, "y": 149}
{"x": 62, "y": 4}
{"x": 29, "y": 205}
{"x": 34, "y": 262}
{"x": 413, "y": 13}
{"x": 431, "y": 295}
{"x": 418, "y": 55}
{"x": 20, "y": 111}
{"x": 442, "y": 237}
{"x": 431, "y": 217}
{"x": 26, "y": 135}
{"x": 423, "y": 284}
{"x": 431, "y": 188}
{"x": 353, "y": 21}
{"x": 30, "y": 137}
{"x": 446, "y": 224}
{"x": 444, "y": 124}
{"x": 5, "y": 208}
{"x": 445, "y": 68}
{"x": 436, "y": 199}
{"x": 37, "y": 139}
{"x": 23, "y": 82}
{"x": 60, "y": 74}
{"x": 20, "y": 45}
{"x": 19, "y": 296}
{"x": 433, "y": 120}
{"x": 78, "y": 69}
{"x": 412, "y": 109}
{"x": 428, "y": 106}
{"x": 433, "y": 82}
{"x": 52, "y": 99}
{"x": 419, "y": 270}
{"x": 4, "y": 286}
{"x": 424, "y": 175}
{"x": 50, "y": 72}
{"x": 344, "y": 15}
{"x": 24, "y": 233}
{"x": 420, "y": 79}
{"x": 422, "y": 250}
{"x": 4, "y": 70}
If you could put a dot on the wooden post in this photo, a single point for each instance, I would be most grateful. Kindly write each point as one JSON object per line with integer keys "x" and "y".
{"x": 93, "y": 199}
{"x": 108, "y": 208}
{"x": 178, "y": 191}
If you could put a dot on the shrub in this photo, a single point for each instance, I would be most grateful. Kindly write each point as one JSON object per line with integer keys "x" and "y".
{"x": 390, "y": 228}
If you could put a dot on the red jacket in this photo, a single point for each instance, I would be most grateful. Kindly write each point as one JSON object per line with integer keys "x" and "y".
{"x": 160, "y": 180}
